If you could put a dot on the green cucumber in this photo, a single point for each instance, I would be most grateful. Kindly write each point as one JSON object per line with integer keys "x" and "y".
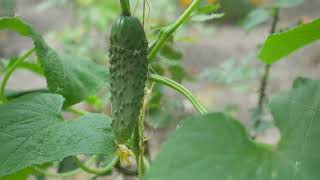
{"x": 128, "y": 70}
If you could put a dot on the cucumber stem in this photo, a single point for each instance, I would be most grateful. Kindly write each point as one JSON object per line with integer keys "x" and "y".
{"x": 125, "y": 6}
{"x": 265, "y": 77}
{"x": 66, "y": 174}
{"x": 102, "y": 171}
{"x": 167, "y": 31}
{"x": 9, "y": 72}
{"x": 181, "y": 89}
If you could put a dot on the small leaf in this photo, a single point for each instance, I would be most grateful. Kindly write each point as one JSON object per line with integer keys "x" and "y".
{"x": 215, "y": 145}
{"x": 177, "y": 73}
{"x": 70, "y": 76}
{"x": 282, "y": 44}
{"x": 288, "y": 3}
{"x": 255, "y": 18}
{"x": 207, "y": 9}
{"x": 33, "y": 132}
{"x": 169, "y": 52}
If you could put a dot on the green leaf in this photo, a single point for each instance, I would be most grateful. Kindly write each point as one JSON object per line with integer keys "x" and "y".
{"x": 21, "y": 175}
{"x": 300, "y": 81}
{"x": 13, "y": 94}
{"x": 169, "y": 52}
{"x": 177, "y": 73}
{"x": 70, "y": 76}
{"x": 280, "y": 45}
{"x": 215, "y": 146}
{"x": 33, "y": 132}
{"x": 255, "y": 18}
{"x": 207, "y": 9}
{"x": 16, "y": 25}
{"x": 288, "y": 3}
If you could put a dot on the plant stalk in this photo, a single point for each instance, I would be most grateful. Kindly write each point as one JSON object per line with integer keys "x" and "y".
{"x": 139, "y": 135}
{"x": 181, "y": 89}
{"x": 99, "y": 172}
{"x": 65, "y": 174}
{"x": 167, "y": 31}
{"x": 77, "y": 111}
{"x": 265, "y": 77}
{"x": 125, "y": 7}
{"x": 9, "y": 72}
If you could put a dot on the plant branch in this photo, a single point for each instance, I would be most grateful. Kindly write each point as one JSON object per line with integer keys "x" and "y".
{"x": 181, "y": 89}
{"x": 9, "y": 72}
{"x": 139, "y": 134}
{"x": 77, "y": 111}
{"x": 66, "y": 174}
{"x": 265, "y": 77}
{"x": 167, "y": 31}
{"x": 125, "y": 7}
{"x": 99, "y": 172}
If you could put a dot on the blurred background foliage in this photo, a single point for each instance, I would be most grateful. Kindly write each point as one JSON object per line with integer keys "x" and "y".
{"x": 87, "y": 36}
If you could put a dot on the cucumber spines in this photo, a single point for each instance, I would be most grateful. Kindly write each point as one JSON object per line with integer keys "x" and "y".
{"x": 128, "y": 70}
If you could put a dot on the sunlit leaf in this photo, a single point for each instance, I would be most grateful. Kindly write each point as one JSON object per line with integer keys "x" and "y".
{"x": 282, "y": 44}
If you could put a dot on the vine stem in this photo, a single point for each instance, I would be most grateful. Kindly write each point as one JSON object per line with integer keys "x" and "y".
{"x": 139, "y": 139}
{"x": 125, "y": 6}
{"x": 66, "y": 174}
{"x": 9, "y": 72}
{"x": 98, "y": 172}
{"x": 265, "y": 77}
{"x": 74, "y": 110}
{"x": 181, "y": 89}
{"x": 167, "y": 31}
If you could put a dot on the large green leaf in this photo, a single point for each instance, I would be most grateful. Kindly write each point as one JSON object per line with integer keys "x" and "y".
{"x": 70, "y": 76}
{"x": 215, "y": 146}
{"x": 32, "y": 131}
{"x": 282, "y": 44}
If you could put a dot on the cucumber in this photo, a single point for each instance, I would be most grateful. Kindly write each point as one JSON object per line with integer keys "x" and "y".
{"x": 128, "y": 70}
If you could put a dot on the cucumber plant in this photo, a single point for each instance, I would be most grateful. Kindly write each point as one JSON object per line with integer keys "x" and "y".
{"x": 34, "y": 134}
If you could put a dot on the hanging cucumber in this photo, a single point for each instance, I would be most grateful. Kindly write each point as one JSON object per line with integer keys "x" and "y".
{"x": 128, "y": 70}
